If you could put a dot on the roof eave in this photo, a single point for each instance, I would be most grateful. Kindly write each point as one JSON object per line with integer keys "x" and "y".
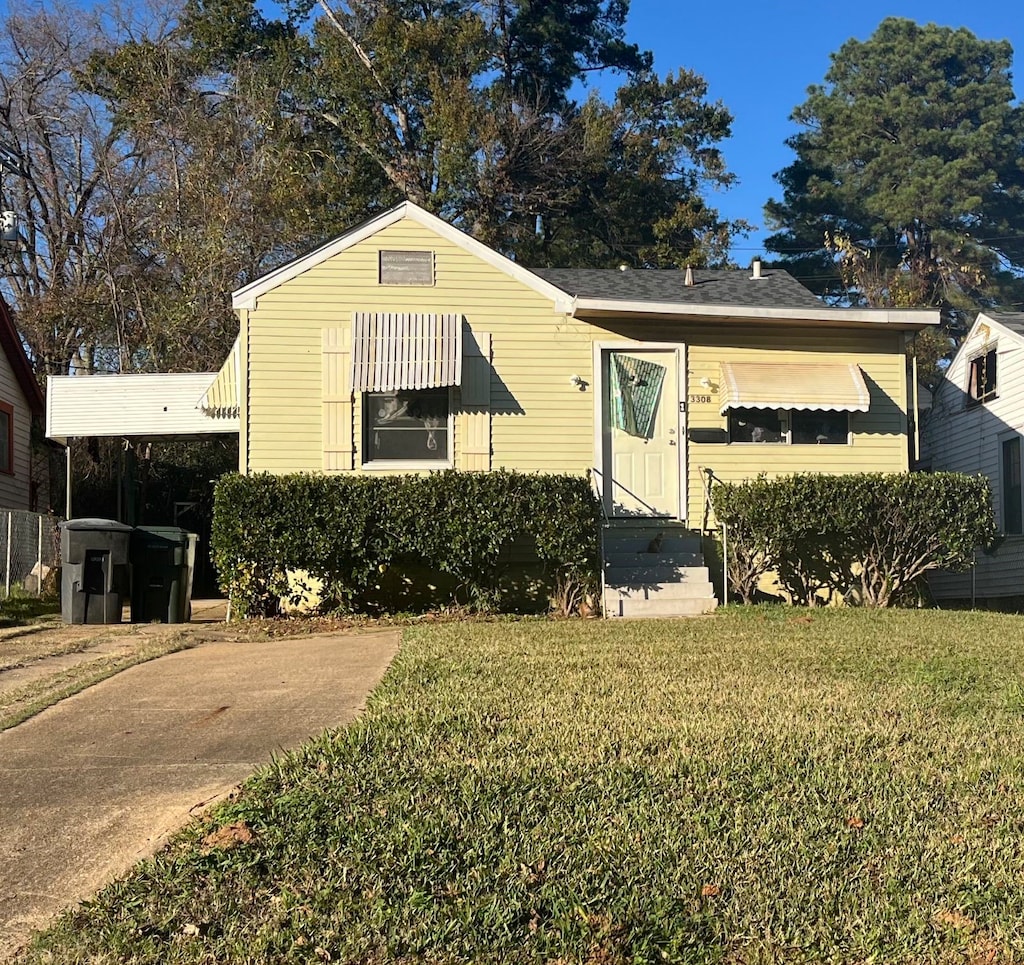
{"x": 902, "y": 319}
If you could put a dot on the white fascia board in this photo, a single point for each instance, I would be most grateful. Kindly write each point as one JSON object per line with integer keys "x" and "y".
{"x": 914, "y": 318}
{"x": 246, "y": 297}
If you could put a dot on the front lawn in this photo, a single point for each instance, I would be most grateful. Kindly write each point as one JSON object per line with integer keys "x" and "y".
{"x": 768, "y": 785}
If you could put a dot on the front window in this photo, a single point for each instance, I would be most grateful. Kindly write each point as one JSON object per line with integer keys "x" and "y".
{"x": 789, "y": 427}
{"x": 820, "y": 428}
{"x": 981, "y": 377}
{"x": 407, "y": 425}
{"x": 755, "y": 425}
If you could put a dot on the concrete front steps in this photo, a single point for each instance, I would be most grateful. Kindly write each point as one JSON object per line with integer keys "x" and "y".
{"x": 654, "y": 568}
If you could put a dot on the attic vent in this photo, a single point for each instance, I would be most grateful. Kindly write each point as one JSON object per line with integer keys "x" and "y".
{"x": 406, "y": 267}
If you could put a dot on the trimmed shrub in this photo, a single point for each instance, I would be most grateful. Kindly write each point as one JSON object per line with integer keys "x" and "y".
{"x": 348, "y": 531}
{"x": 866, "y": 537}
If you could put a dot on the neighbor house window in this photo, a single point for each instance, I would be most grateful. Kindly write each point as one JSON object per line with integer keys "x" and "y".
{"x": 1013, "y": 508}
{"x": 981, "y": 377}
{"x": 407, "y": 425}
{"x": 796, "y": 427}
{"x": 819, "y": 428}
{"x": 6, "y": 438}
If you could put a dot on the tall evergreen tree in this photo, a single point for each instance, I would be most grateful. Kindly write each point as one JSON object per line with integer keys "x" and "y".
{"x": 908, "y": 183}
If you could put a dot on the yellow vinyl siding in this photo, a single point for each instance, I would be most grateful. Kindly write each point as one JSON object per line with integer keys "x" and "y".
{"x": 284, "y": 371}
{"x": 539, "y": 420}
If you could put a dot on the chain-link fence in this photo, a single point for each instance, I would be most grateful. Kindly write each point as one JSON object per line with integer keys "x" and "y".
{"x": 29, "y": 550}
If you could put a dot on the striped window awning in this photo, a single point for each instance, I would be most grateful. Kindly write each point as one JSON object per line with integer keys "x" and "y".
{"x": 405, "y": 350}
{"x": 808, "y": 386}
{"x": 220, "y": 400}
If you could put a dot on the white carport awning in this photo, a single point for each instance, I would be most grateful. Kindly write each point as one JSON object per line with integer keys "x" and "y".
{"x": 131, "y": 406}
{"x": 809, "y": 386}
{"x": 405, "y": 350}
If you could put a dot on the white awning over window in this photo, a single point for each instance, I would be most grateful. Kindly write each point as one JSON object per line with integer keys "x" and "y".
{"x": 813, "y": 386}
{"x": 220, "y": 400}
{"x": 405, "y": 350}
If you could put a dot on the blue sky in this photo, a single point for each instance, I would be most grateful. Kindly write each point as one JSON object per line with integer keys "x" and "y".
{"x": 760, "y": 58}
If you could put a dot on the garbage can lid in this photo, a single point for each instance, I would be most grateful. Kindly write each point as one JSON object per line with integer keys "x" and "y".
{"x": 94, "y": 523}
{"x": 170, "y": 534}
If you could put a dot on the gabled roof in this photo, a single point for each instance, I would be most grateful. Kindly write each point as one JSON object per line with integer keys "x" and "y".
{"x": 246, "y": 297}
{"x": 1014, "y": 321}
{"x": 731, "y": 295}
{"x": 10, "y": 341}
{"x": 774, "y": 289}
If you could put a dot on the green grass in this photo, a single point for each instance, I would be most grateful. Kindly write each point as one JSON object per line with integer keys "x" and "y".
{"x": 768, "y": 785}
{"x": 22, "y": 610}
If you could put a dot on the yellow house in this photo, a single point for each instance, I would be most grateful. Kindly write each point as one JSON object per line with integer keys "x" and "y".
{"x": 406, "y": 346}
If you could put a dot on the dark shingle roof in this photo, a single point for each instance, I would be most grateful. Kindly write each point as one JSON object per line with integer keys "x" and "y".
{"x": 775, "y": 288}
{"x": 1014, "y": 321}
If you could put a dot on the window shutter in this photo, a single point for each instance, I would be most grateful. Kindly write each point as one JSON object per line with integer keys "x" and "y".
{"x": 336, "y": 397}
{"x": 475, "y": 417}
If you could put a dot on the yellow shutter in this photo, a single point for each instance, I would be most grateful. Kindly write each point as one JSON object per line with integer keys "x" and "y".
{"x": 475, "y": 416}
{"x": 336, "y": 396}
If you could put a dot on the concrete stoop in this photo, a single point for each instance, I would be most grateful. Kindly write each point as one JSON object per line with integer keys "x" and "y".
{"x": 654, "y": 568}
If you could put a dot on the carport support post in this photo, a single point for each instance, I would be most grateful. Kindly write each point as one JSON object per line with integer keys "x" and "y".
{"x": 39, "y": 557}
{"x": 67, "y": 481}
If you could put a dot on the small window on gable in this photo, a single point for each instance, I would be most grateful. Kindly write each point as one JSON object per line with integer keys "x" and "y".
{"x": 6, "y": 438}
{"x": 406, "y": 267}
{"x": 981, "y": 377}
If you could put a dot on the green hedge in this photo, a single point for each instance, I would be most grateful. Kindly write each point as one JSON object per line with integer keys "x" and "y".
{"x": 348, "y": 531}
{"x": 867, "y": 538}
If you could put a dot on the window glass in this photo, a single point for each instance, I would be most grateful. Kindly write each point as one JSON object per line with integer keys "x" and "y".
{"x": 407, "y": 425}
{"x": 755, "y": 425}
{"x": 1013, "y": 517}
{"x": 981, "y": 377}
{"x": 820, "y": 428}
{"x": 5, "y": 441}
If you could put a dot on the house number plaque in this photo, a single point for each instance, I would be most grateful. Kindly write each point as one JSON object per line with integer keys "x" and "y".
{"x": 700, "y": 399}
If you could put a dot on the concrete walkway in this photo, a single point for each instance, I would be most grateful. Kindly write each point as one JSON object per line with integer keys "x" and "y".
{"x": 99, "y": 780}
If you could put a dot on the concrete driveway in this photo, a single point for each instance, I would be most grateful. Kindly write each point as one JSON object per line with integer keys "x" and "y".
{"x": 99, "y": 781}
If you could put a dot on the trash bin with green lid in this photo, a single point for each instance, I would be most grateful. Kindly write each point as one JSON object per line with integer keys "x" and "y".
{"x": 162, "y": 558}
{"x": 95, "y": 570}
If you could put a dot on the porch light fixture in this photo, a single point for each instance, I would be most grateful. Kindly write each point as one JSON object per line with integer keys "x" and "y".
{"x": 579, "y": 382}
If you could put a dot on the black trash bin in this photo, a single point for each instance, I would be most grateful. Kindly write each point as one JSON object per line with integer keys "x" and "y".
{"x": 163, "y": 558}
{"x": 95, "y": 571}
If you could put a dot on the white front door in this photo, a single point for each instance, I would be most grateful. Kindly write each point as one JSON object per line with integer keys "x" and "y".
{"x": 642, "y": 432}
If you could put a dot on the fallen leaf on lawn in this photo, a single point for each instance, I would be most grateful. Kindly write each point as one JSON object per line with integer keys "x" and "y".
{"x": 230, "y": 836}
{"x": 710, "y": 891}
{"x": 855, "y": 822}
{"x": 949, "y": 918}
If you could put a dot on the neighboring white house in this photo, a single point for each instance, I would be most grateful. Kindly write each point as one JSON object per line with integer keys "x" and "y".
{"x": 975, "y": 426}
